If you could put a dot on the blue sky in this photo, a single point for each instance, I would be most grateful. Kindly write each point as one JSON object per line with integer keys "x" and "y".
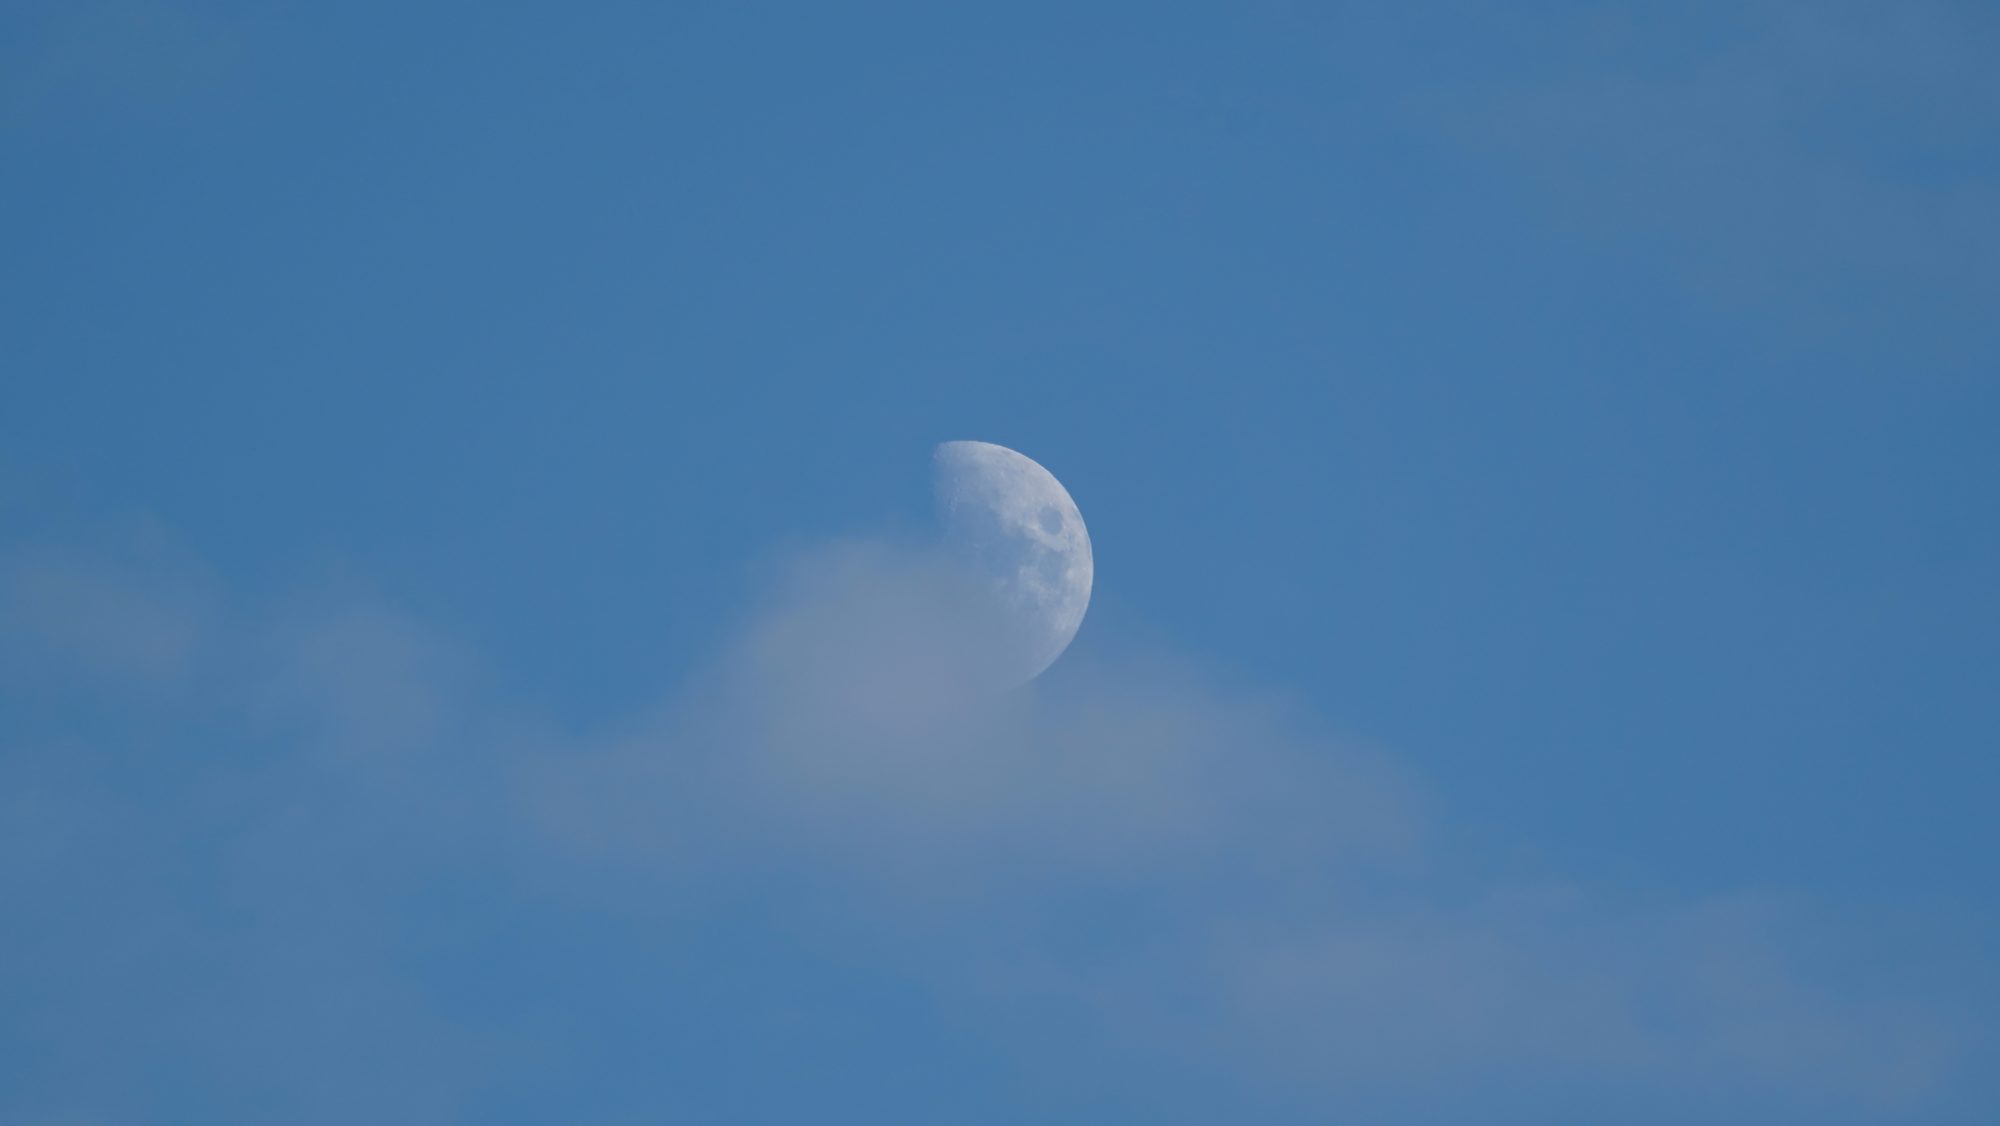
{"x": 458, "y": 465}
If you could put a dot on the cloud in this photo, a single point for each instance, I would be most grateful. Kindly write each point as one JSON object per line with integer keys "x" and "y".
{"x": 1787, "y": 152}
{"x": 205, "y": 846}
{"x": 359, "y": 680}
{"x": 1552, "y": 980}
{"x": 851, "y": 722}
{"x": 135, "y": 618}
{"x": 1135, "y": 850}
{"x": 1284, "y": 904}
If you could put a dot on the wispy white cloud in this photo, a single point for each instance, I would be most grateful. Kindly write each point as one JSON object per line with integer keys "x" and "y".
{"x": 1787, "y": 153}
{"x": 136, "y": 618}
{"x": 1285, "y": 906}
{"x": 1192, "y": 870}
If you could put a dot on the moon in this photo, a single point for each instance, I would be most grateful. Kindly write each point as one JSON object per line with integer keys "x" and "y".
{"x": 1014, "y": 526}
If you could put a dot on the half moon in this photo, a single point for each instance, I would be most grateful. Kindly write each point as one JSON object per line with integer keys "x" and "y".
{"x": 1021, "y": 536}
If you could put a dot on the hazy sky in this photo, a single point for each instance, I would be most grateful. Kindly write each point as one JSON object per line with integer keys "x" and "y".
{"x": 463, "y": 472}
